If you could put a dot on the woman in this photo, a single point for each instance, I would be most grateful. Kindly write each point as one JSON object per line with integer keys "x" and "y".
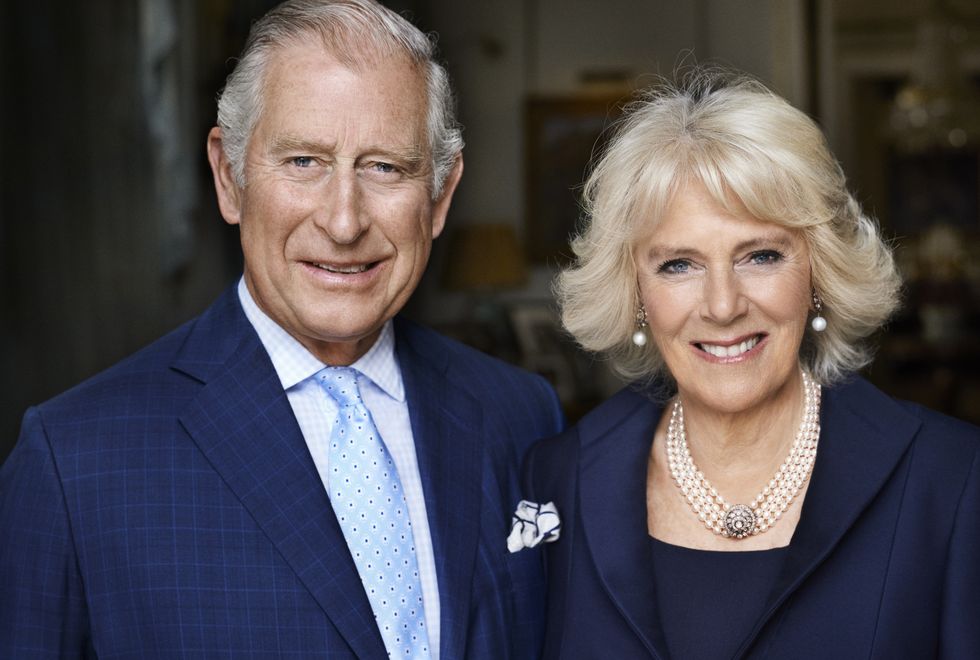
{"x": 749, "y": 496}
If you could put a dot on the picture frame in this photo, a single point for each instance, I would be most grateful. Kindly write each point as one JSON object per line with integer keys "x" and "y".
{"x": 537, "y": 328}
{"x": 562, "y": 134}
{"x": 538, "y": 332}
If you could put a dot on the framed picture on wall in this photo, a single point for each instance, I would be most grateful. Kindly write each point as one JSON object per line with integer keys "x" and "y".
{"x": 562, "y": 134}
{"x": 542, "y": 346}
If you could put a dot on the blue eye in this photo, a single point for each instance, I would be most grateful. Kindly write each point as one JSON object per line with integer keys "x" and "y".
{"x": 386, "y": 168}
{"x": 302, "y": 161}
{"x": 764, "y": 257}
{"x": 674, "y": 267}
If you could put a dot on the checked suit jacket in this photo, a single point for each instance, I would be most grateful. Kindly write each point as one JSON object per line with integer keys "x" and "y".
{"x": 169, "y": 507}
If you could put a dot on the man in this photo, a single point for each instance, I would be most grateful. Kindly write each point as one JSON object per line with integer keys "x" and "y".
{"x": 297, "y": 472}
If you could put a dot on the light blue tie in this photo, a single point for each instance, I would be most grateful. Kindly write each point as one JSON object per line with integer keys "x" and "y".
{"x": 367, "y": 497}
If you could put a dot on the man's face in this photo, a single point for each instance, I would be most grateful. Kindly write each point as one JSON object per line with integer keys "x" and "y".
{"x": 336, "y": 215}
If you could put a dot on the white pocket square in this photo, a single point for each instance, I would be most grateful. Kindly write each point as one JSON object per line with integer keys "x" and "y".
{"x": 533, "y": 524}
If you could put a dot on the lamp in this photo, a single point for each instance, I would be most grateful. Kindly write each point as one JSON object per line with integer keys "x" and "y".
{"x": 485, "y": 258}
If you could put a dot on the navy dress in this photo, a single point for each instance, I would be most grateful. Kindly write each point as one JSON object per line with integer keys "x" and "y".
{"x": 883, "y": 562}
{"x": 710, "y": 600}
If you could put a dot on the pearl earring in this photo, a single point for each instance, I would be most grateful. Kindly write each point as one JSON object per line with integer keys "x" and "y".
{"x": 819, "y": 323}
{"x": 640, "y": 335}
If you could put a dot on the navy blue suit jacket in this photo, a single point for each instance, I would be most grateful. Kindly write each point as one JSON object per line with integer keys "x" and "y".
{"x": 884, "y": 563}
{"x": 169, "y": 507}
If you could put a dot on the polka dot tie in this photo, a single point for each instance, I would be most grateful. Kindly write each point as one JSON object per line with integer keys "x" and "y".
{"x": 367, "y": 497}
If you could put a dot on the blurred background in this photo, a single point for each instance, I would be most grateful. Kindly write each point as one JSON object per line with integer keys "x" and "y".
{"x": 110, "y": 236}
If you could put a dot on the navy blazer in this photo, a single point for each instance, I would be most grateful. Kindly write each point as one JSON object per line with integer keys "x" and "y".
{"x": 169, "y": 507}
{"x": 884, "y": 563}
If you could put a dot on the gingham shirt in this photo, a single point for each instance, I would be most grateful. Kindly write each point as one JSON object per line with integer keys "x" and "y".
{"x": 383, "y": 392}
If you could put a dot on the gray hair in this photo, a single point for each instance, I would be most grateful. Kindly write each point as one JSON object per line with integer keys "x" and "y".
{"x": 748, "y": 147}
{"x": 356, "y": 32}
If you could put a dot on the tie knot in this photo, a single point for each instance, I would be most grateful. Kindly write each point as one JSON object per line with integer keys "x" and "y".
{"x": 340, "y": 384}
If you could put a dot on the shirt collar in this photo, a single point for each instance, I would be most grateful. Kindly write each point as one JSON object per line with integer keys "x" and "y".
{"x": 294, "y": 363}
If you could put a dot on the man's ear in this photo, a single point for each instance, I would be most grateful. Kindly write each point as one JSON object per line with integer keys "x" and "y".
{"x": 229, "y": 194}
{"x": 441, "y": 207}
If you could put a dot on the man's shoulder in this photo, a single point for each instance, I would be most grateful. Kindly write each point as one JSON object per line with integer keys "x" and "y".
{"x": 512, "y": 396}
{"x": 120, "y": 381}
{"x": 455, "y": 355}
{"x": 150, "y": 372}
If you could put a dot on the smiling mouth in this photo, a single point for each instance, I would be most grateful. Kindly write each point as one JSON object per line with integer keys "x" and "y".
{"x": 730, "y": 351}
{"x": 345, "y": 270}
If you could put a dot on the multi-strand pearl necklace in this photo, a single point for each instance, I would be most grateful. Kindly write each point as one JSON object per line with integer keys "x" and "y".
{"x": 738, "y": 520}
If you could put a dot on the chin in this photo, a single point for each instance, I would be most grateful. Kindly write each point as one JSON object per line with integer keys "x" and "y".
{"x": 727, "y": 395}
{"x": 346, "y": 333}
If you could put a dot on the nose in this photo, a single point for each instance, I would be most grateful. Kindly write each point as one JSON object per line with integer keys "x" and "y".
{"x": 723, "y": 300}
{"x": 341, "y": 214}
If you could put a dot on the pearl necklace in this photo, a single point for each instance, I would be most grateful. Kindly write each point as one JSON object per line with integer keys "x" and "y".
{"x": 738, "y": 520}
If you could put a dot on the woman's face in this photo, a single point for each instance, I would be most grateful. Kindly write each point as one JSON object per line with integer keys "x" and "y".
{"x": 727, "y": 298}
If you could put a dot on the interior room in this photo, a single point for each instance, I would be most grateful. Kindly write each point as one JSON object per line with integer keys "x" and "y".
{"x": 110, "y": 235}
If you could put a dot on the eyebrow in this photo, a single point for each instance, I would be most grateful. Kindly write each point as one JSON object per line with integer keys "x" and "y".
{"x": 779, "y": 240}
{"x": 287, "y": 143}
{"x": 283, "y": 144}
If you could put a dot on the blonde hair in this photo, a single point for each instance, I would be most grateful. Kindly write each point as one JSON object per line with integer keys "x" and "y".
{"x": 748, "y": 147}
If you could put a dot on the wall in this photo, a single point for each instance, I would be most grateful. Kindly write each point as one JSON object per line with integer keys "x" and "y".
{"x": 109, "y": 233}
{"x": 502, "y": 52}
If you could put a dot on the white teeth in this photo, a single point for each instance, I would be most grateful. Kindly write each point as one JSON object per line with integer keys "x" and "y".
{"x": 343, "y": 269}
{"x": 730, "y": 351}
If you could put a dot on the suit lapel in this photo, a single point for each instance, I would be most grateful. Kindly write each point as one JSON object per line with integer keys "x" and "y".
{"x": 243, "y": 423}
{"x": 613, "y": 470}
{"x": 446, "y": 424}
{"x": 863, "y": 436}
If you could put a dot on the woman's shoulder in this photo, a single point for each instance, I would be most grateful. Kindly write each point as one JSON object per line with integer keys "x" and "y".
{"x": 558, "y": 455}
{"x": 619, "y": 409}
{"x": 933, "y": 431}
{"x": 603, "y": 420}
{"x": 948, "y": 438}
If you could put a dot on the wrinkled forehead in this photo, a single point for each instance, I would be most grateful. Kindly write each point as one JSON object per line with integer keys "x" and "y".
{"x": 353, "y": 54}
{"x": 313, "y": 103}
{"x": 356, "y": 56}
